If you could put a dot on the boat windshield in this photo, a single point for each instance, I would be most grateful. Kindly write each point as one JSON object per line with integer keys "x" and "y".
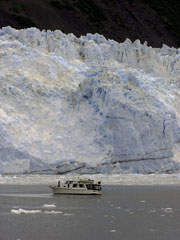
{"x": 68, "y": 182}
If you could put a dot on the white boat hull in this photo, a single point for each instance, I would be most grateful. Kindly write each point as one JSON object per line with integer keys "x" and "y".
{"x": 77, "y": 191}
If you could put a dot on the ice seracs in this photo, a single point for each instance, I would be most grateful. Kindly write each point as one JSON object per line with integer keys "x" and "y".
{"x": 87, "y": 105}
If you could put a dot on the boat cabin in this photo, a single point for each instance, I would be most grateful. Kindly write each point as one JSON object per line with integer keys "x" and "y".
{"x": 82, "y": 186}
{"x": 87, "y": 184}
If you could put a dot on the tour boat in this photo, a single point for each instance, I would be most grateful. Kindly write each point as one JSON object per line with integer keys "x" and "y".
{"x": 81, "y": 187}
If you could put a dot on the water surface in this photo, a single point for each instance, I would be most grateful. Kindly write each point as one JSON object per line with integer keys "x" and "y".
{"x": 122, "y": 212}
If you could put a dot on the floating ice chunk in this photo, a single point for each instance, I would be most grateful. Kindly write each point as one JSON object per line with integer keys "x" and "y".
{"x": 113, "y": 230}
{"x": 152, "y": 211}
{"x": 68, "y": 214}
{"x": 23, "y": 211}
{"x": 168, "y": 210}
{"x": 152, "y": 230}
{"x": 53, "y": 212}
{"x": 49, "y": 206}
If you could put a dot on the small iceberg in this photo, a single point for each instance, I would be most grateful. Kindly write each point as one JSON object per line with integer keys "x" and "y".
{"x": 49, "y": 206}
{"x": 23, "y": 211}
{"x": 53, "y": 212}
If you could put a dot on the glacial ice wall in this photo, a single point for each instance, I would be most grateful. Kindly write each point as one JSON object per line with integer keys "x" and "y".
{"x": 87, "y": 105}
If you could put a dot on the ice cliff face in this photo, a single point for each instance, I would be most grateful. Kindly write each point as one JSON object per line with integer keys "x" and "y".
{"x": 87, "y": 104}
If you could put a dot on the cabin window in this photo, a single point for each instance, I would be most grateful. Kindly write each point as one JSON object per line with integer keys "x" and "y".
{"x": 89, "y": 186}
{"x": 74, "y": 185}
{"x": 96, "y": 187}
{"x": 81, "y": 185}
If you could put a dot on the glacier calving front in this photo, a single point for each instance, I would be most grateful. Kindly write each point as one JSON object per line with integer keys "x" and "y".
{"x": 87, "y": 104}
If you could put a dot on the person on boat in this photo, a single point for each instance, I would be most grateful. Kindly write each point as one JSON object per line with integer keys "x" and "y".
{"x": 58, "y": 184}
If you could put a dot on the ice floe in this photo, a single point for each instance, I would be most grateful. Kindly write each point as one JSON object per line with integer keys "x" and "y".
{"x": 49, "y": 206}
{"x": 23, "y": 211}
{"x": 53, "y": 212}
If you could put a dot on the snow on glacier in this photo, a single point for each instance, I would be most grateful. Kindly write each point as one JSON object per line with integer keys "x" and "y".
{"x": 87, "y": 105}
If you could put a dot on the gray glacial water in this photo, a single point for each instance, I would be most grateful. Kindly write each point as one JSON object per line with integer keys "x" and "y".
{"x": 122, "y": 212}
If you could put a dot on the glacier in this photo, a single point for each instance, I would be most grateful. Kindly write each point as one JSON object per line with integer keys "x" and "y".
{"x": 87, "y": 105}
